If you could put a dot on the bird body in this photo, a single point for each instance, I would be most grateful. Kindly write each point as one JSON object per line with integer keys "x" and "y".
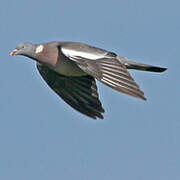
{"x": 69, "y": 68}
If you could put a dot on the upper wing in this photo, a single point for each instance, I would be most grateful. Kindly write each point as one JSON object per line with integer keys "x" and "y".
{"x": 79, "y": 92}
{"x": 74, "y": 49}
{"x": 104, "y": 66}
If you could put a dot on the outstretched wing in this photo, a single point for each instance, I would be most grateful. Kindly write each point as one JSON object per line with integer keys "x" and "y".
{"x": 104, "y": 66}
{"x": 79, "y": 92}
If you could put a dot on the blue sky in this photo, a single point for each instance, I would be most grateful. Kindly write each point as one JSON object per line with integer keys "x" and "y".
{"x": 43, "y": 138}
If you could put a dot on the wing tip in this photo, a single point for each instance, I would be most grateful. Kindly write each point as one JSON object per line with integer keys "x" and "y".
{"x": 95, "y": 116}
{"x": 144, "y": 98}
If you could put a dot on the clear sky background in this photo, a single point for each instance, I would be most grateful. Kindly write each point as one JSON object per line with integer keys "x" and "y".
{"x": 42, "y": 138}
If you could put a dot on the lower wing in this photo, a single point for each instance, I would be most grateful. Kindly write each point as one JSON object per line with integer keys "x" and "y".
{"x": 79, "y": 92}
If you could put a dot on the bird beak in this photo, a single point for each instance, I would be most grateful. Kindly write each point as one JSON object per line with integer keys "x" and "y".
{"x": 14, "y": 52}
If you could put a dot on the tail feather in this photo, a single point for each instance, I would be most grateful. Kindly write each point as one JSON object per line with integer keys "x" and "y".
{"x": 145, "y": 67}
{"x": 138, "y": 66}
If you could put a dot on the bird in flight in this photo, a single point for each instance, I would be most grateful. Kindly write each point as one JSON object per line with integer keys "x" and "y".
{"x": 70, "y": 69}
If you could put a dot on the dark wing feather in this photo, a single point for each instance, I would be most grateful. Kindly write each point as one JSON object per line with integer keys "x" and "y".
{"x": 79, "y": 92}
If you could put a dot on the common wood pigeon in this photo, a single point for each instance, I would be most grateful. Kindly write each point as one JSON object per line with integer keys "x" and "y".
{"x": 70, "y": 69}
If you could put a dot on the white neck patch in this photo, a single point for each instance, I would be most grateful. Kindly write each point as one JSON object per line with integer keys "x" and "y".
{"x": 39, "y": 49}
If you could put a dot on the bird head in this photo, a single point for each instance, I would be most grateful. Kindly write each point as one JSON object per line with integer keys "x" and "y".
{"x": 25, "y": 49}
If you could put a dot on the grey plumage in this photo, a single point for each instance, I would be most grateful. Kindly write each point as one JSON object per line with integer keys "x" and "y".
{"x": 69, "y": 68}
